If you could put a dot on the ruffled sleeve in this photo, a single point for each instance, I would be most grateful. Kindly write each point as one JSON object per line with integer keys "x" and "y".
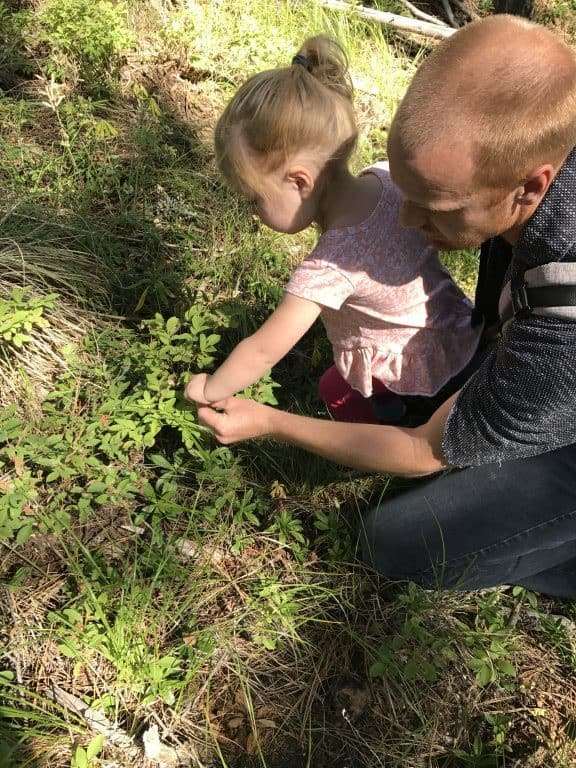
{"x": 320, "y": 282}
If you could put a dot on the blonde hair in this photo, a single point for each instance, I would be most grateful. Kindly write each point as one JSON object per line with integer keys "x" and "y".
{"x": 508, "y": 84}
{"x": 274, "y": 114}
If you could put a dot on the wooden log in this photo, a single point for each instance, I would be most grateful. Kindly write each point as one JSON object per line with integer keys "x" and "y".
{"x": 402, "y": 23}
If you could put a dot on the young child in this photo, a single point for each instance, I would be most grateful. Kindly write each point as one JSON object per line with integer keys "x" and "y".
{"x": 396, "y": 320}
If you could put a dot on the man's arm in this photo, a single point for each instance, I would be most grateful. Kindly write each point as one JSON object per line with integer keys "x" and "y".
{"x": 393, "y": 450}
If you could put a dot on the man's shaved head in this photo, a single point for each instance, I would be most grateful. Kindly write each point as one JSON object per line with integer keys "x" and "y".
{"x": 504, "y": 87}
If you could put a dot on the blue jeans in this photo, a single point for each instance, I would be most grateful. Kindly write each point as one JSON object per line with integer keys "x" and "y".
{"x": 508, "y": 523}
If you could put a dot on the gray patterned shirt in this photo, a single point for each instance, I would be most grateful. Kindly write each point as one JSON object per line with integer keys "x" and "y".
{"x": 522, "y": 400}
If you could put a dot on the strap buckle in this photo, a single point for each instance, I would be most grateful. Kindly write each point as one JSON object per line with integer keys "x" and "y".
{"x": 520, "y": 302}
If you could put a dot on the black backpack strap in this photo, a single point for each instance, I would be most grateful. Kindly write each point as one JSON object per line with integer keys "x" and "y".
{"x": 525, "y": 298}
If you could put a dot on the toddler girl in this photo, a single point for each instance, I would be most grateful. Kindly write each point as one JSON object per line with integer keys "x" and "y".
{"x": 398, "y": 324}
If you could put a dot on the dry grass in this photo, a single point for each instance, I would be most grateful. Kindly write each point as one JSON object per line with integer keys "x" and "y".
{"x": 27, "y": 372}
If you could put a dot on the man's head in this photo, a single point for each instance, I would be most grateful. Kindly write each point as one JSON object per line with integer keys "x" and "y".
{"x": 483, "y": 129}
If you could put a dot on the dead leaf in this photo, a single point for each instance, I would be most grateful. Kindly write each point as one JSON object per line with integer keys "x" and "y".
{"x": 188, "y": 549}
{"x": 216, "y": 556}
{"x": 277, "y": 490}
{"x": 240, "y": 699}
{"x": 266, "y": 723}
{"x": 265, "y": 712}
{"x": 251, "y": 744}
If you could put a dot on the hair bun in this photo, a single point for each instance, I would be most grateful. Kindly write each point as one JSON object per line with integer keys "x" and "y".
{"x": 324, "y": 58}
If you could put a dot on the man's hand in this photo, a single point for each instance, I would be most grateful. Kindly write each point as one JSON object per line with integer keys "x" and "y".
{"x": 194, "y": 391}
{"x": 236, "y": 419}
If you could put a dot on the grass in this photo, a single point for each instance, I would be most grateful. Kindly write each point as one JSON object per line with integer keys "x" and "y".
{"x": 146, "y": 572}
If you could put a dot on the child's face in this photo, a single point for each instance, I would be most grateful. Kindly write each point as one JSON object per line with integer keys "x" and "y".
{"x": 291, "y": 201}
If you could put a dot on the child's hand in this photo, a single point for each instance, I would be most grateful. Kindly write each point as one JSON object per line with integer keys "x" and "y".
{"x": 194, "y": 391}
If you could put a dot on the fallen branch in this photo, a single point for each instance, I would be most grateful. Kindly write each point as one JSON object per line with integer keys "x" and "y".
{"x": 422, "y": 14}
{"x": 402, "y": 23}
{"x": 153, "y": 749}
{"x": 96, "y": 721}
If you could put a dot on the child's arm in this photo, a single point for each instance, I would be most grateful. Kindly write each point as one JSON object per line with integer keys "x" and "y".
{"x": 255, "y": 355}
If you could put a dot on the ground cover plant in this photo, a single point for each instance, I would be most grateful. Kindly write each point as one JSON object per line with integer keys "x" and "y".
{"x": 165, "y": 601}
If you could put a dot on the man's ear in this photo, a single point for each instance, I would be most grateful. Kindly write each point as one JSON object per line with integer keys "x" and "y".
{"x": 536, "y": 185}
{"x": 302, "y": 179}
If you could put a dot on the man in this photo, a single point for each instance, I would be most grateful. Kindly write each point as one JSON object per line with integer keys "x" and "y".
{"x": 482, "y": 148}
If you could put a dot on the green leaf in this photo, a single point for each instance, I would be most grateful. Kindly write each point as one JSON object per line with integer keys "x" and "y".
{"x": 484, "y": 675}
{"x": 65, "y": 650}
{"x": 160, "y": 461}
{"x": 97, "y": 486}
{"x": 80, "y": 758}
{"x": 95, "y": 746}
{"x": 378, "y": 669}
{"x": 24, "y": 534}
{"x": 172, "y": 325}
{"x": 507, "y": 668}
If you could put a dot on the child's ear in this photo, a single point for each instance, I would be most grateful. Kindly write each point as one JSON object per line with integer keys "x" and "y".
{"x": 302, "y": 179}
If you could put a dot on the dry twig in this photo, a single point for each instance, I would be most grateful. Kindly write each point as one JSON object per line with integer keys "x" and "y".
{"x": 449, "y": 13}
{"x": 422, "y": 14}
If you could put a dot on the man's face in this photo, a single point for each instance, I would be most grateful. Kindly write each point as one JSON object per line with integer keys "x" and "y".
{"x": 442, "y": 199}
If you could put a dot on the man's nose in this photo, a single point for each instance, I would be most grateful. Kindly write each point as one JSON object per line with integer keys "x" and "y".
{"x": 412, "y": 215}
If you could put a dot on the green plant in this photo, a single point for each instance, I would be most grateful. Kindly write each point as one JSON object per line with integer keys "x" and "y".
{"x": 277, "y": 609}
{"x": 21, "y": 313}
{"x": 289, "y": 531}
{"x": 93, "y": 33}
{"x": 84, "y": 757}
{"x": 333, "y": 534}
{"x": 13, "y": 26}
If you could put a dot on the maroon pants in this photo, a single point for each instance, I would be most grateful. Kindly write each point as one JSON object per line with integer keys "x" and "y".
{"x": 345, "y": 403}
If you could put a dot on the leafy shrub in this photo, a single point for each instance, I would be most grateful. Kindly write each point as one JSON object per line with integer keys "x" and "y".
{"x": 99, "y": 421}
{"x": 20, "y": 314}
{"x": 91, "y": 33}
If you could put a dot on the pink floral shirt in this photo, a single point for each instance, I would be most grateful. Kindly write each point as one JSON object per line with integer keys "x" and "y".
{"x": 390, "y": 309}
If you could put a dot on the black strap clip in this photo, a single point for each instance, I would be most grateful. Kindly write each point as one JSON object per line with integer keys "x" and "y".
{"x": 520, "y": 302}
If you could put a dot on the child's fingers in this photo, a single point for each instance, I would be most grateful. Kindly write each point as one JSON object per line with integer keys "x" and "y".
{"x": 194, "y": 390}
